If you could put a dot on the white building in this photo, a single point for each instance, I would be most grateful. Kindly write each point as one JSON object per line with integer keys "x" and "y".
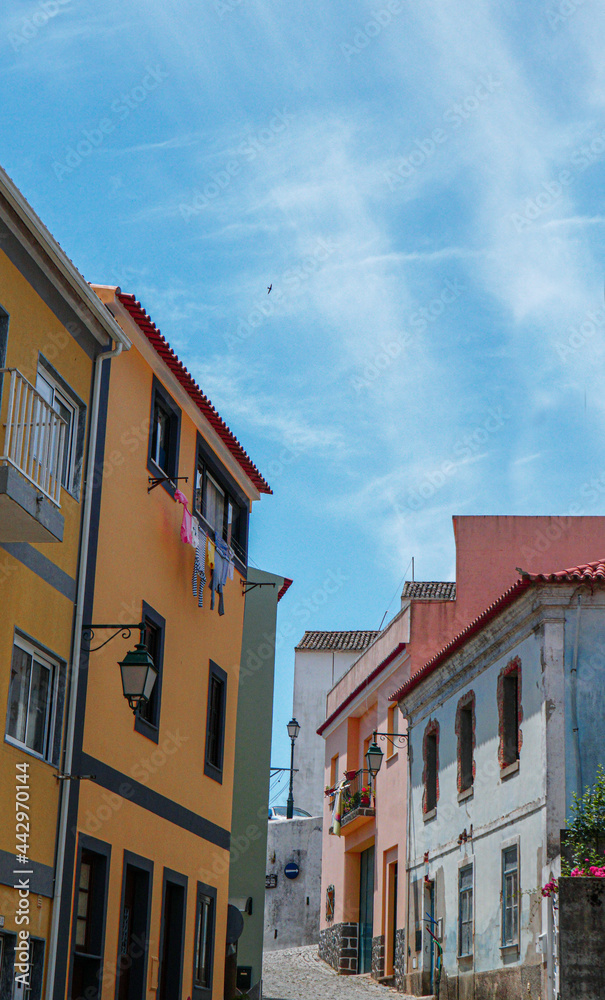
{"x": 504, "y": 725}
{"x": 321, "y": 658}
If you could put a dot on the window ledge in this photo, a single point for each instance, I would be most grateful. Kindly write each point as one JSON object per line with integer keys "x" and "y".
{"x": 510, "y": 949}
{"x": 468, "y": 793}
{"x": 509, "y": 770}
{"x": 466, "y": 959}
{"x": 392, "y": 756}
{"x": 430, "y": 815}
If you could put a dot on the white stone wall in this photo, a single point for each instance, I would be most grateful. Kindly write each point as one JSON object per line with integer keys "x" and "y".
{"x": 292, "y": 908}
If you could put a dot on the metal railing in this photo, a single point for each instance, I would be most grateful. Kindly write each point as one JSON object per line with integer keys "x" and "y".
{"x": 357, "y": 793}
{"x": 34, "y": 434}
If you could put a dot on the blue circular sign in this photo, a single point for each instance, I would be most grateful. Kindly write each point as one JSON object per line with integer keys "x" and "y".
{"x": 291, "y": 870}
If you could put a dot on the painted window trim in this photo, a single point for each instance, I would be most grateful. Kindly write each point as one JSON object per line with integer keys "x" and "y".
{"x": 78, "y": 432}
{"x": 513, "y": 666}
{"x": 505, "y": 845}
{"x": 467, "y": 862}
{"x": 159, "y": 391}
{"x": 146, "y": 865}
{"x": 210, "y": 769}
{"x": 103, "y": 849}
{"x": 465, "y": 703}
{"x": 143, "y": 726}
{"x": 226, "y": 482}
{"x": 52, "y": 752}
{"x": 204, "y": 992}
{"x": 431, "y": 729}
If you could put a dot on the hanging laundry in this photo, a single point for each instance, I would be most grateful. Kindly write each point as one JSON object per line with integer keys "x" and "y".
{"x": 195, "y": 535}
{"x": 187, "y": 517}
{"x": 210, "y": 553}
{"x": 217, "y": 582}
{"x": 199, "y": 569}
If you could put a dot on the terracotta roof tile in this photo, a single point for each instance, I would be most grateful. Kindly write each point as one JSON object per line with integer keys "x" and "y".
{"x": 165, "y": 351}
{"x": 424, "y": 590}
{"x": 337, "y": 640}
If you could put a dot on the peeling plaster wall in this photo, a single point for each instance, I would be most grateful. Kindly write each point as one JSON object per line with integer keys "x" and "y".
{"x": 499, "y": 810}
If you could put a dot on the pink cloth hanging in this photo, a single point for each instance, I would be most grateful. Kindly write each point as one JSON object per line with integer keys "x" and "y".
{"x": 186, "y": 524}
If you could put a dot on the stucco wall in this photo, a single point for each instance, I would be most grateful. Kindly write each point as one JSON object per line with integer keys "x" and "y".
{"x": 475, "y": 829}
{"x": 315, "y": 672}
{"x": 581, "y": 936}
{"x": 292, "y": 907}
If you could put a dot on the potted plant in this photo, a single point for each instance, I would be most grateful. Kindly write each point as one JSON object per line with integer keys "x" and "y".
{"x": 365, "y": 797}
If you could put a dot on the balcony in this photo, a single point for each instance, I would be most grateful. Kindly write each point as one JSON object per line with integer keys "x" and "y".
{"x": 32, "y": 443}
{"x": 358, "y": 802}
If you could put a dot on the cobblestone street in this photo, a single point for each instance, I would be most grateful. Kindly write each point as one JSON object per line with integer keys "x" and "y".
{"x": 299, "y": 974}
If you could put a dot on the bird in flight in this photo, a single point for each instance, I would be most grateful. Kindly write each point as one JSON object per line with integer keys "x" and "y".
{"x": 269, "y": 288}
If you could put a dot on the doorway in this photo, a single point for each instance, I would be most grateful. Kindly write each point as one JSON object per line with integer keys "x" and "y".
{"x": 172, "y": 936}
{"x": 391, "y": 922}
{"x": 366, "y": 909}
{"x": 134, "y": 930}
{"x": 428, "y": 949}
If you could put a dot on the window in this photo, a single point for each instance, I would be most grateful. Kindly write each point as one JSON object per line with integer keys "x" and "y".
{"x": 392, "y": 727}
{"x": 204, "y": 942}
{"x": 147, "y": 719}
{"x": 431, "y": 767}
{"x": 215, "y": 722}
{"x": 220, "y": 503}
{"x": 465, "y": 731}
{"x": 30, "y": 699}
{"x": 55, "y": 391}
{"x": 509, "y": 706}
{"x": 465, "y": 911}
{"x": 510, "y": 895}
{"x": 90, "y": 907}
{"x": 164, "y": 434}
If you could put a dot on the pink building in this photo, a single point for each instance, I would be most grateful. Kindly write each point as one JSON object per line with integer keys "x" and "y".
{"x": 364, "y": 890}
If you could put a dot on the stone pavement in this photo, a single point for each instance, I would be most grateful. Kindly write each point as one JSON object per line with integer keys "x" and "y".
{"x": 299, "y": 974}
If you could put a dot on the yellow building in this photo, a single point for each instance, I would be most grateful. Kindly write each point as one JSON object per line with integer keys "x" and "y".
{"x": 54, "y": 333}
{"x": 147, "y": 812}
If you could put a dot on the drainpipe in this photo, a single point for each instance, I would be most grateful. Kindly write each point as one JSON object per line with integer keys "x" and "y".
{"x": 75, "y": 664}
{"x": 408, "y": 851}
{"x": 574, "y": 701}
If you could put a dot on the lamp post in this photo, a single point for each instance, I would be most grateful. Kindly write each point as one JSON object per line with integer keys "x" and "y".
{"x": 293, "y": 731}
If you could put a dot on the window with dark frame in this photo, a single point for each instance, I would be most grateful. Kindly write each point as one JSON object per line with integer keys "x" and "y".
{"x": 149, "y": 710}
{"x": 84, "y": 903}
{"x": 89, "y": 918}
{"x": 510, "y": 718}
{"x": 215, "y": 722}
{"x": 220, "y": 508}
{"x": 62, "y": 399}
{"x": 465, "y": 911}
{"x": 464, "y": 728}
{"x": 163, "y": 432}
{"x": 204, "y": 942}
{"x": 510, "y": 896}
{"x": 431, "y": 767}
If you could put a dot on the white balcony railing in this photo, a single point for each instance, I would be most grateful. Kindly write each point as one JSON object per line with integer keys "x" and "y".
{"x": 34, "y": 434}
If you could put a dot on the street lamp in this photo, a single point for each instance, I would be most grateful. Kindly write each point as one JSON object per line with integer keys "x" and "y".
{"x": 293, "y": 731}
{"x": 139, "y": 672}
{"x": 374, "y": 757}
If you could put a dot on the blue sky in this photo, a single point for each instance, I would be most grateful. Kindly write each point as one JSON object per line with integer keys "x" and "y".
{"x": 422, "y": 184}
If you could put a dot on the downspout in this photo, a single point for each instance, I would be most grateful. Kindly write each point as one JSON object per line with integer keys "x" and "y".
{"x": 75, "y": 665}
{"x": 574, "y": 701}
{"x": 408, "y": 848}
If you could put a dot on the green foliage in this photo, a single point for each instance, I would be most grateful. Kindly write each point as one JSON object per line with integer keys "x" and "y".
{"x": 586, "y": 830}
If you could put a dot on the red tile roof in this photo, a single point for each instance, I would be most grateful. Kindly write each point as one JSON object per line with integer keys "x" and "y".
{"x": 285, "y": 587}
{"x": 170, "y": 359}
{"x": 336, "y": 640}
{"x": 429, "y": 590}
{"x": 587, "y": 573}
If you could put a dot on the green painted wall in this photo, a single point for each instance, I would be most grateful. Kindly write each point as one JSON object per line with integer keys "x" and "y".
{"x": 252, "y": 764}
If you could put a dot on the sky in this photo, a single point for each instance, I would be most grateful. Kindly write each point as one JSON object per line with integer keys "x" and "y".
{"x": 421, "y": 184}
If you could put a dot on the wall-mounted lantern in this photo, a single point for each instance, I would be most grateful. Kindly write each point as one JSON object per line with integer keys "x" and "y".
{"x": 139, "y": 672}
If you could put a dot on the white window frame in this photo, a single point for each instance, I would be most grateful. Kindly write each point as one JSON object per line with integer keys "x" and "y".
{"x": 468, "y": 862}
{"x": 505, "y": 846}
{"x": 60, "y": 395}
{"x": 49, "y": 726}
